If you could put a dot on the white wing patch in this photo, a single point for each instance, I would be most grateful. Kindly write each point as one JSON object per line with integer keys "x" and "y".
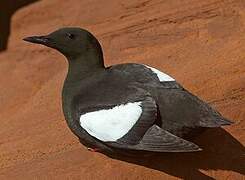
{"x": 111, "y": 124}
{"x": 161, "y": 76}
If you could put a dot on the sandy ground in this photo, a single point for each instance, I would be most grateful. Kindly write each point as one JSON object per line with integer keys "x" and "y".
{"x": 200, "y": 43}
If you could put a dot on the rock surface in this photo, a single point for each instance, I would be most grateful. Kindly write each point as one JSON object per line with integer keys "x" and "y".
{"x": 200, "y": 43}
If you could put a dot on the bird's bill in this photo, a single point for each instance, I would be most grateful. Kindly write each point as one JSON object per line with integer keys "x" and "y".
{"x": 38, "y": 40}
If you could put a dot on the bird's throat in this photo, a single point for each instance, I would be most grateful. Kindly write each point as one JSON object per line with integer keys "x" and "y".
{"x": 83, "y": 67}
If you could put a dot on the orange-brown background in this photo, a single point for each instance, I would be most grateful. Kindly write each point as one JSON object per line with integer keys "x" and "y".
{"x": 200, "y": 43}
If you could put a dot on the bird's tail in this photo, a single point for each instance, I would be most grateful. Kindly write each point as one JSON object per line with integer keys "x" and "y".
{"x": 224, "y": 122}
{"x": 215, "y": 121}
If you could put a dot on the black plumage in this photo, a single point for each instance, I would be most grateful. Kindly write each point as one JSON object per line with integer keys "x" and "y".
{"x": 169, "y": 112}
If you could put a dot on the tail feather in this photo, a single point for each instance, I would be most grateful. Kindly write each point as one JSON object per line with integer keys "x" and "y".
{"x": 224, "y": 122}
{"x": 215, "y": 122}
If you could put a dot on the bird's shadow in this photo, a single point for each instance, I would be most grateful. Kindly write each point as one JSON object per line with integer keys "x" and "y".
{"x": 220, "y": 151}
{"x": 7, "y": 9}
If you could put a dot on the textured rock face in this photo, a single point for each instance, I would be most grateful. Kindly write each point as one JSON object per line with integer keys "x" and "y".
{"x": 199, "y": 43}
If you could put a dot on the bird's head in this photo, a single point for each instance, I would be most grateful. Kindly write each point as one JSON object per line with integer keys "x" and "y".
{"x": 72, "y": 42}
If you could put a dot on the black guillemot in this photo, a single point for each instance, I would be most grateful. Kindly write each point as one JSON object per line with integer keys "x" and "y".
{"x": 125, "y": 107}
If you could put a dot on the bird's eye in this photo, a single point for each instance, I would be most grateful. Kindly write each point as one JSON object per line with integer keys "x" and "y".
{"x": 70, "y": 36}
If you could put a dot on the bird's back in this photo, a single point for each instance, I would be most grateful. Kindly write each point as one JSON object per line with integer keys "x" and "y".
{"x": 179, "y": 111}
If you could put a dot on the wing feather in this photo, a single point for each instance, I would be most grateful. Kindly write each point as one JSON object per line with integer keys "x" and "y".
{"x": 159, "y": 140}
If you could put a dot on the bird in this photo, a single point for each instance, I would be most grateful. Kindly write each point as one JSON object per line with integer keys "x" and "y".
{"x": 125, "y": 108}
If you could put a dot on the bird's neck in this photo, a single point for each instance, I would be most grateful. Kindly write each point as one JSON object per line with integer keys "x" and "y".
{"x": 80, "y": 70}
{"x": 84, "y": 66}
